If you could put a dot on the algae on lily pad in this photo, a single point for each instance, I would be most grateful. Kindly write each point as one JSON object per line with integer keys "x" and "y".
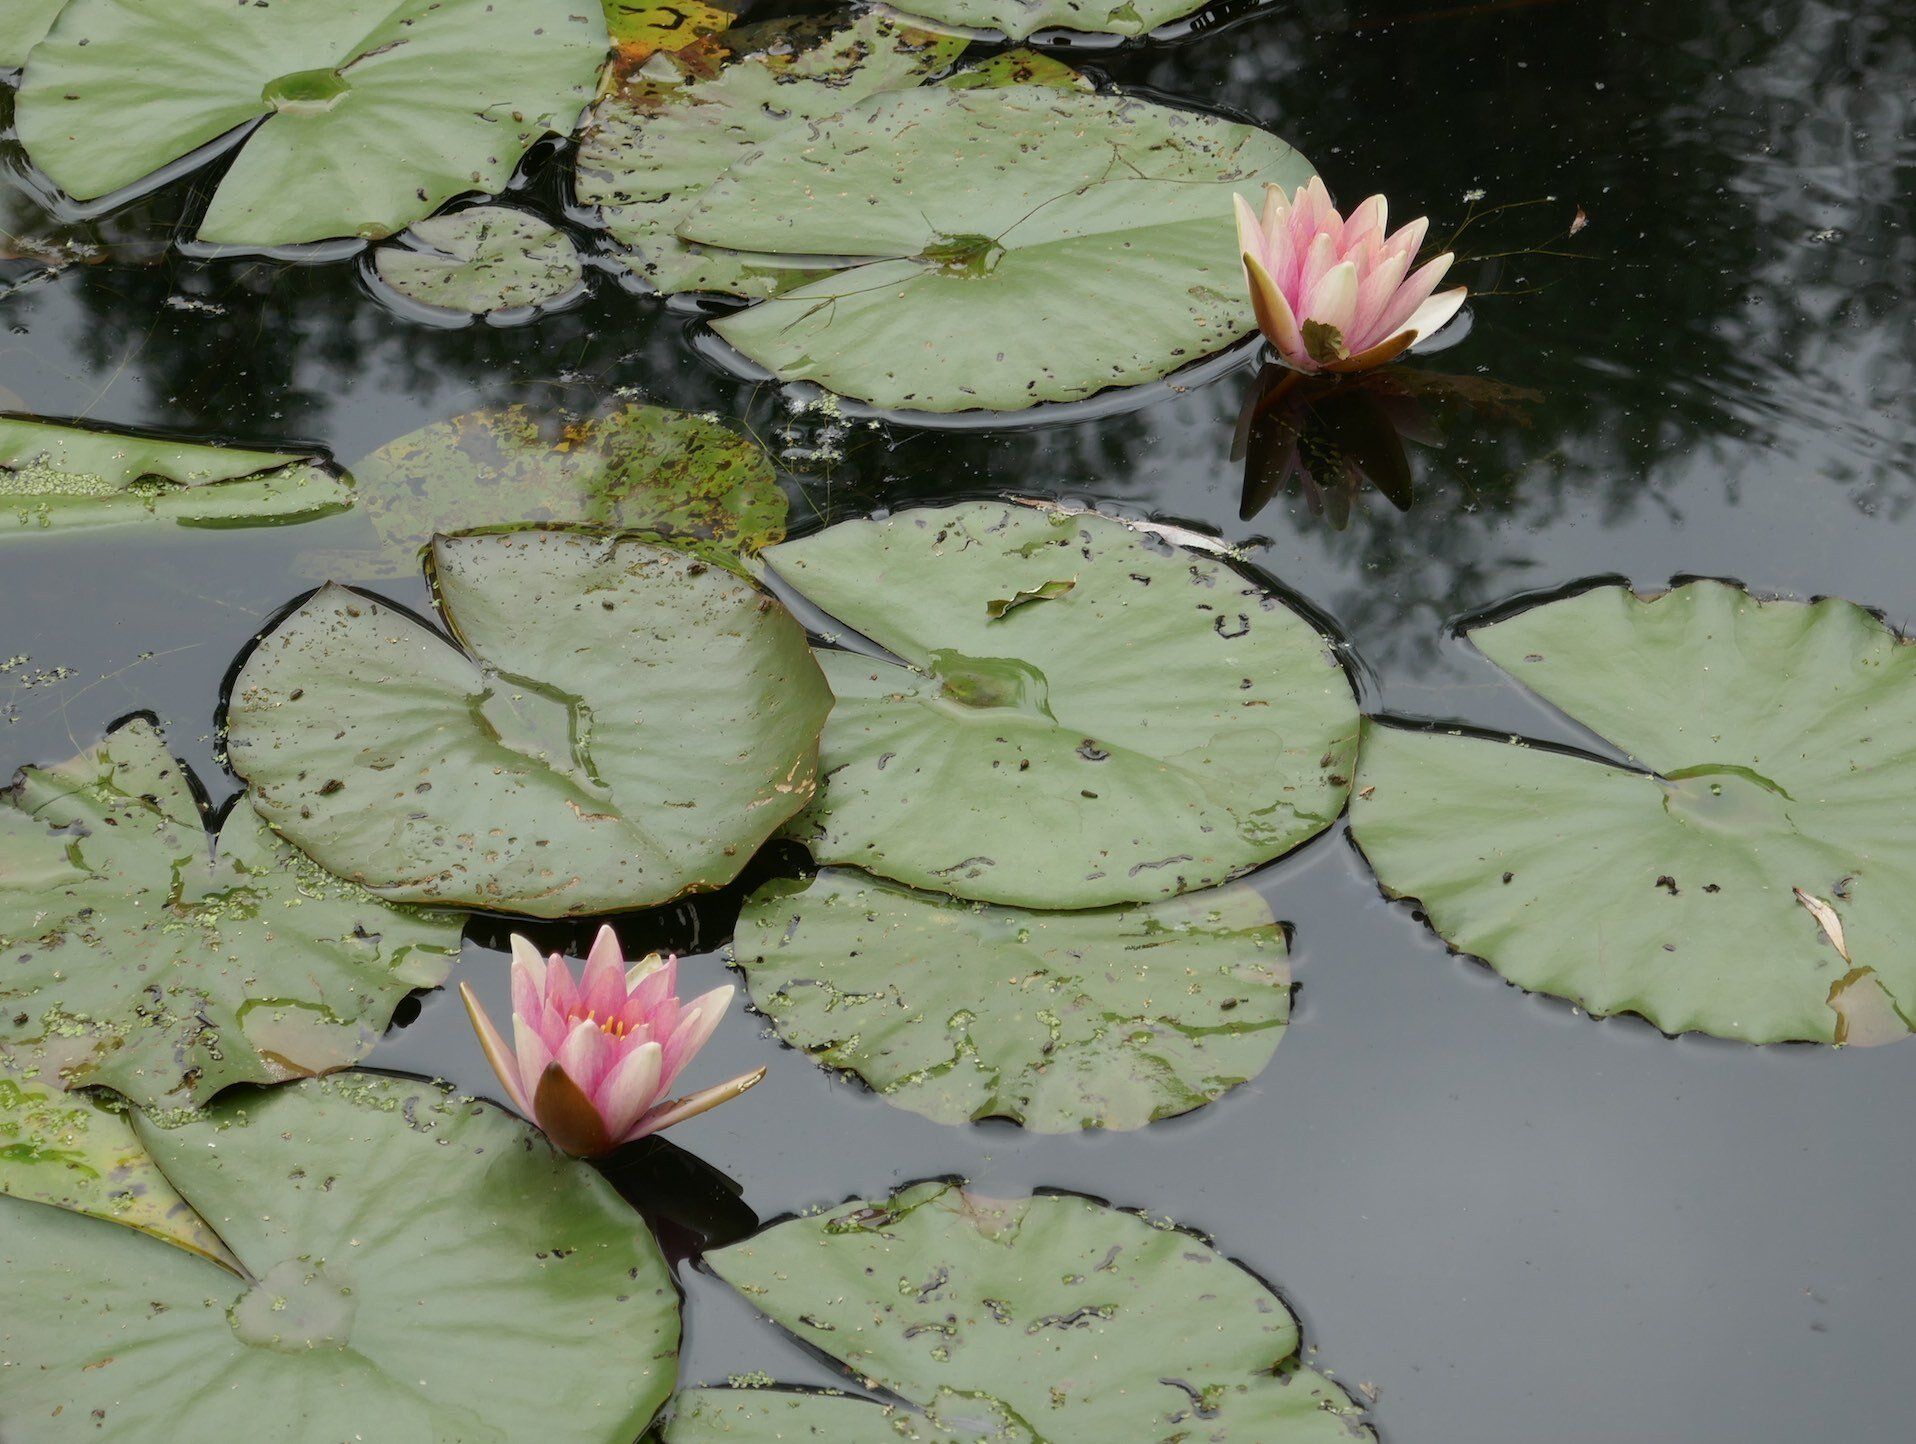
{"x": 621, "y": 723}
{"x": 79, "y": 1151}
{"x": 1085, "y": 1323}
{"x": 352, "y": 117}
{"x": 652, "y": 147}
{"x": 1750, "y": 872}
{"x": 1009, "y": 246}
{"x": 481, "y": 261}
{"x": 1162, "y": 725}
{"x": 141, "y": 955}
{"x": 58, "y": 477}
{"x": 1059, "y": 1021}
{"x": 669, "y": 474}
{"x": 744, "y": 1415}
{"x": 409, "y": 1262}
{"x": 1016, "y": 19}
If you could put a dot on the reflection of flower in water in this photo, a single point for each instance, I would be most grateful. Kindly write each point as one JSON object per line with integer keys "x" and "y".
{"x": 1330, "y": 437}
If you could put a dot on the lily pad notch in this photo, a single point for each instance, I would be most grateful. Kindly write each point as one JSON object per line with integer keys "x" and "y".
{"x": 987, "y": 229}
{"x": 58, "y": 476}
{"x": 620, "y": 723}
{"x": 1162, "y": 725}
{"x": 346, "y": 125}
{"x": 1747, "y": 870}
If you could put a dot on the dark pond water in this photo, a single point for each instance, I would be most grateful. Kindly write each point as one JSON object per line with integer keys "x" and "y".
{"x": 1515, "y": 1222}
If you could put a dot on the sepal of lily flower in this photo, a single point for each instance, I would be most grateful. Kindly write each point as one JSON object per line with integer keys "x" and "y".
{"x": 693, "y": 1104}
{"x": 1383, "y": 352}
{"x": 561, "y": 1108}
{"x": 496, "y": 1051}
{"x": 1274, "y": 315}
{"x": 1428, "y": 320}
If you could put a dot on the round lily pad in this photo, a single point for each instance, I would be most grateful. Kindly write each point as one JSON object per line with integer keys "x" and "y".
{"x": 56, "y": 477}
{"x": 482, "y": 260}
{"x": 415, "y": 1267}
{"x": 143, "y": 956}
{"x": 79, "y": 1151}
{"x": 645, "y": 469}
{"x": 995, "y": 230}
{"x": 1749, "y": 872}
{"x": 1060, "y": 1021}
{"x": 359, "y": 120}
{"x": 622, "y": 724}
{"x": 1087, "y": 1323}
{"x": 1078, "y": 717}
{"x": 1016, "y": 19}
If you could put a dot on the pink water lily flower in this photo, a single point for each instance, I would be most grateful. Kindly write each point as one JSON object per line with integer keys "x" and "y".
{"x": 593, "y": 1057}
{"x": 1334, "y": 294}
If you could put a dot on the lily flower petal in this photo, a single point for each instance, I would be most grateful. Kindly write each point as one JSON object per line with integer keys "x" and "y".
{"x": 630, "y": 1088}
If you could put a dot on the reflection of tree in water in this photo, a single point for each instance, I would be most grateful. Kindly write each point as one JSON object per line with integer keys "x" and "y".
{"x": 1744, "y": 322}
{"x": 1740, "y": 164}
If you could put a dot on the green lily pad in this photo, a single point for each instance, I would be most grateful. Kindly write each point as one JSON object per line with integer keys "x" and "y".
{"x": 1059, "y": 1021}
{"x": 626, "y": 723}
{"x": 143, "y": 956}
{"x": 646, "y": 469}
{"x": 789, "y": 1416}
{"x": 1085, "y": 1323}
{"x": 68, "y": 478}
{"x": 360, "y": 120}
{"x": 1162, "y": 726}
{"x": 482, "y": 260}
{"x": 1768, "y": 747}
{"x": 415, "y": 1267}
{"x": 23, "y": 24}
{"x": 79, "y": 1151}
{"x": 653, "y": 147}
{"x": 1017, "y": 245}
{"x": 1016, "y": 19}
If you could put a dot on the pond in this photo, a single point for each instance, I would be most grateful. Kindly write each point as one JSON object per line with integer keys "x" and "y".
{"x": 1687, "y": 354}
